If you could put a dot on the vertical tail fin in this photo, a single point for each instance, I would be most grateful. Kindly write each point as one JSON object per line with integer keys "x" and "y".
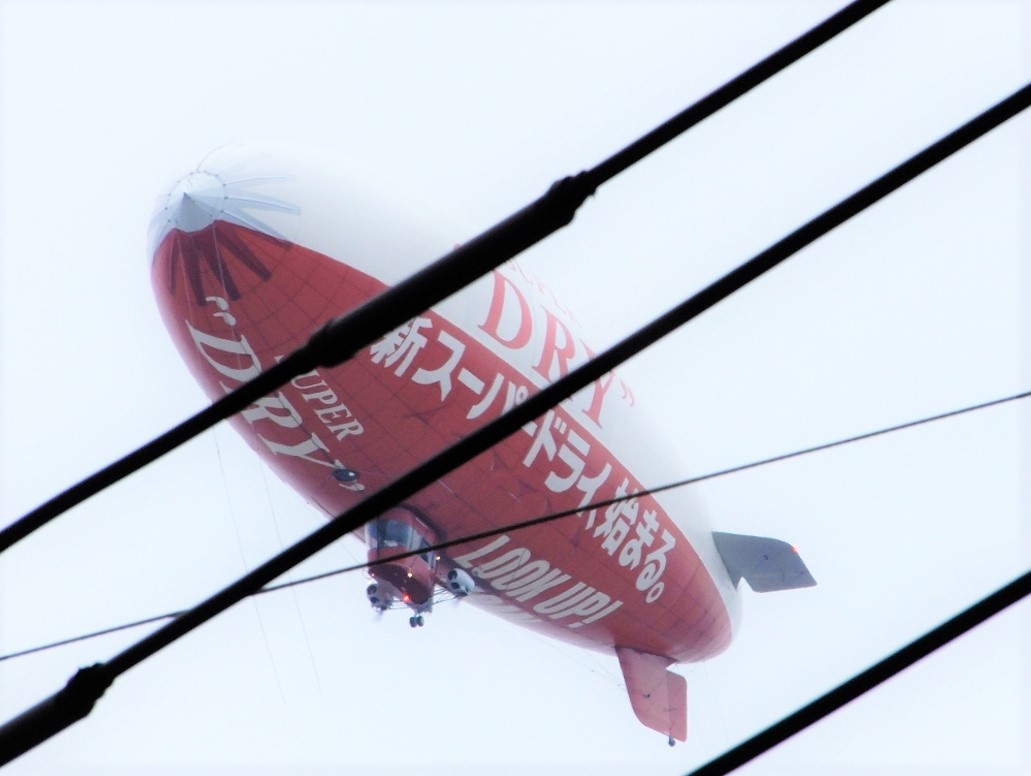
{"x": 658, "y": 696}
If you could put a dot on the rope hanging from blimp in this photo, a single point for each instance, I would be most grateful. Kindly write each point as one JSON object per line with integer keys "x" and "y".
{"x": 77, "y": 698}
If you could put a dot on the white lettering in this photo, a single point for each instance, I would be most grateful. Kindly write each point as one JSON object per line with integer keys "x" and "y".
{"x": 589, "y": 605}
{"x": 327, "y": 397}
{"x": 522, "y": 576}
{"x": 246, "y": 366}
{"x": 262, "y": 409}
{"x": 511, "y": 560}
{"x": 563, "y": 603}
{"x": 550, "y": 580}
{"x": 603, "y": 613}
{"x": 347, "y": 429}
{"x": 465, "y": 561}
{"x": 304, "y": 451}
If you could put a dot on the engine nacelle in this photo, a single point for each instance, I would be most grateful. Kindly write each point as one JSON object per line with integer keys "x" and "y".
{"x": 380, "y": 599}
{"x": 460, "y": 583}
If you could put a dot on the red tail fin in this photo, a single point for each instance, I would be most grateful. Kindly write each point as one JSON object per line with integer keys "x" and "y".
{"x": 658, "y": 696}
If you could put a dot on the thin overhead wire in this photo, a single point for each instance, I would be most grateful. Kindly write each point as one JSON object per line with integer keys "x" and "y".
{"x": 548, "y": 518}
{"x": 344, "y": 336}
{"x": 77, "y": 698}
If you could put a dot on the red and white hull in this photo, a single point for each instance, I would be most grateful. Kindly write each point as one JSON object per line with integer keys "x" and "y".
{"x": 261, "y": 245}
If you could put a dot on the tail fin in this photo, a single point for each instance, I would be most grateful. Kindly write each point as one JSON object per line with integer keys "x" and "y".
{"x": 765, "y": 564}
{"x": 658, "y": 696}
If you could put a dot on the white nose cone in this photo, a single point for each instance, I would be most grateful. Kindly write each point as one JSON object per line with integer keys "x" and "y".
{"x": 232, "y": 184}
{"x": 195, "y": 201}
{"x": 307, "y": 198}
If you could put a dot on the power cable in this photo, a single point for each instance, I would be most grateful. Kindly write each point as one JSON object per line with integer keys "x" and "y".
{"x": 545, "y": 518}
{"x": 77, "y": 698}
{"x": 339, "y": 339}
{"x": 867, "y": 680}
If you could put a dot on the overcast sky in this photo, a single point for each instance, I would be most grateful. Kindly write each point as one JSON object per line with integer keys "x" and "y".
{"x": 914, "y": 308}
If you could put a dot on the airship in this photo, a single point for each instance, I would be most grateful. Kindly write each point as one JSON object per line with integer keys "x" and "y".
{"x": 261, "y": 244}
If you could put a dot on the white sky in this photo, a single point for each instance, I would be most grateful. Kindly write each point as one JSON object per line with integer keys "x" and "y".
{"x": 912, "y": 309}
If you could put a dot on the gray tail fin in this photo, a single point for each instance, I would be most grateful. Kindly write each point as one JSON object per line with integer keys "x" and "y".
{"x": 765, "y": 564}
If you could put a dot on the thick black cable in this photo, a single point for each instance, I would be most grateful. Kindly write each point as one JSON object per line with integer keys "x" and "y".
{"x": 344, "y": 336}
{"x": 730, "y": 91}
{"x": 83, "y": 690}
{"x": 867, "y": 680}
{"x": 540, "y": 520}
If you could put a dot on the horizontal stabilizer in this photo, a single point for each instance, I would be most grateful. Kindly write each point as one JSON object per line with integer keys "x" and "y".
{"x": 765, "y": 564}
{"x": 658, "y": 696}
